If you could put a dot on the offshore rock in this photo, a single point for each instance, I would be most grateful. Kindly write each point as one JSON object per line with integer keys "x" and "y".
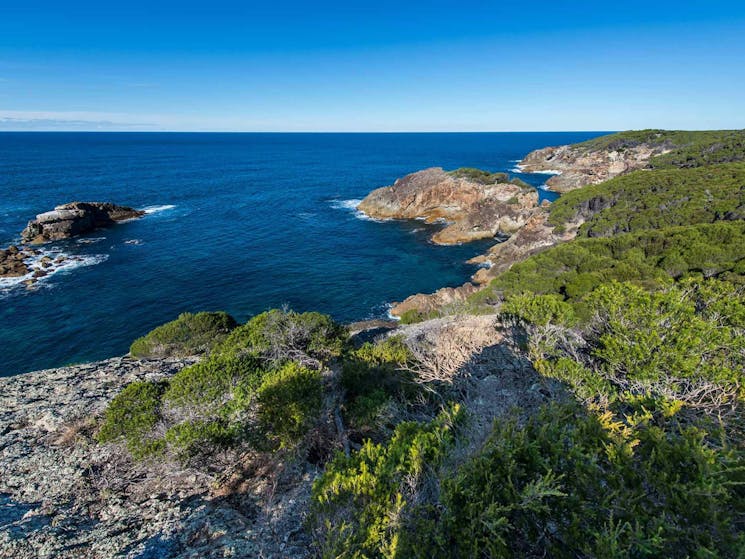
{"x": 75, "y": 218}
{"x": 13, "y": 262}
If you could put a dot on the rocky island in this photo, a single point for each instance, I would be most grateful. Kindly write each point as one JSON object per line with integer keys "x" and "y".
{"x": 63, "y": 222}
{"x": 75, "y": 218}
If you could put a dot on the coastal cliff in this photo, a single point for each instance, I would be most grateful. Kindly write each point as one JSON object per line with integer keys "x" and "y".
{"x": 475, "y": 205}
{"x": 576, "y": 166}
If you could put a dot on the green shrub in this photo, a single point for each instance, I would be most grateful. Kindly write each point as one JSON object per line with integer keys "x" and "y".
{"x": 210, "y": 383}
{"x": 359, "y": 500}
{"x": 282, "y": 335}
{"x": 519, "y": 182}
{"x": 190, "y": 334}
{"x": 667, "y": 336}
{"x": 645, "y": 200}
{"x": 289, "y": 402}
{"x": 412, "y": 316}
{"x": 539, "y": 309}
{"x": 200, "y": 436}
{"x": 569, "y": 484}
{"x": 687, "y": 148}
{"x": 480, "y": 176}
{"x": 132, "y": 415}
{"x": 574, "y": 269}
{"x": 371, "y": 376}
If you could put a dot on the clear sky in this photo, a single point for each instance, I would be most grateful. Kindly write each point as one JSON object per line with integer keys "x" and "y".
{"x": 371, "y": 66}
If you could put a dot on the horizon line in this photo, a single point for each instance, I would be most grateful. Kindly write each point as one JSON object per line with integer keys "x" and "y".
{"x": 41, "y": 131}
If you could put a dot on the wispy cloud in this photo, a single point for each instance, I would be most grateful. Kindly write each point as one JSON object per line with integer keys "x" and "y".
{"x": 71, "y": 120}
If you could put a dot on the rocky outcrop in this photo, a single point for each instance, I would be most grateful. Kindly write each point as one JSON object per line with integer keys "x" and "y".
{"x": 63, "y": 495}
{"x": 75, "y": 218}
{"x": 26, "y": 265}
{"x": 473, "y": 210}
{"x": 535, "y": 236}
{"x": 578, "y": 166}
{"x": 13, "y": 262}
{"x": 426, "y": 303}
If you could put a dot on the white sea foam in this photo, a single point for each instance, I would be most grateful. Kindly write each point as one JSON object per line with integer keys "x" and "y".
{"x": 70, "y": 262}
{"x": 548, "y": 172}
{"x": 90, "y": 241}
{"x": 351, "y": 206}
{"x": 156, "y": 209}
{"x": 133, "y": 242}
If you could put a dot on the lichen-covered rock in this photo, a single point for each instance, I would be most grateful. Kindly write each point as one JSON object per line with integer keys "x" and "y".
{"x": 473, "y": 210}
{"x": 75, "y": 218}
{"x": 63, "y": 495}
{"x": 576, "y": 166}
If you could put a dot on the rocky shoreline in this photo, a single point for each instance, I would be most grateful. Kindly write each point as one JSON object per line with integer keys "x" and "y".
{"x": 75, "y": 218}
{"x": 474, "y": 210}
{"x": 576, "y": 166}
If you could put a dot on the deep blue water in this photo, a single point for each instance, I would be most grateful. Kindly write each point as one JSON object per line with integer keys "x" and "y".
{"x": 252, "y": 221}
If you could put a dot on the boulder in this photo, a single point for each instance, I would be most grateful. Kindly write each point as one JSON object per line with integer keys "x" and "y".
{"x": 13, "y": 262}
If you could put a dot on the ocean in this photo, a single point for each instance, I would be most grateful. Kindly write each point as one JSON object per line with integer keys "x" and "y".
{"x": 235, "y": 222}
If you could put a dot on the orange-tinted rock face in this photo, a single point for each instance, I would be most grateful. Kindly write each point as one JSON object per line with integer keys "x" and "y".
{"x": 472, "y": 210}
{"x": 579, "y": 167}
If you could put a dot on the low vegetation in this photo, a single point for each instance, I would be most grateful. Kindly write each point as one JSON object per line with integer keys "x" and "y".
{"x": 188, "y": 335}
{"x": 654, "y": 200}
{"x": 485, "y": 177}
{"x": 650, "y": 259}
{"x": 259, "y": 387}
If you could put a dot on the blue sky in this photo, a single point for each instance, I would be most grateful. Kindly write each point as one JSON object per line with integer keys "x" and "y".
{"x": 373, "y": 66}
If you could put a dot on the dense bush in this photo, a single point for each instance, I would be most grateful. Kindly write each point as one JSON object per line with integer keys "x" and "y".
{"x": 650, "y": 259}
{"x": 359, "y": 502}
{"x": 485, "y": 177}
{"x": 131, "y": 417}
{"x": 289, "y": 401}
{"x": 280, "y": 335}
{"x": 253, "y": 388}
{"x": 650, "y": 466}
{"x": 372, "y": 376}
{"x": 682, "y": 347}
{"x": 571, "y": 484}
{"x": 655, "y": 199}
{"x": 539, "y": 309}
{"x": 210, "y": 383}
{"x": 190, "y": 334}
